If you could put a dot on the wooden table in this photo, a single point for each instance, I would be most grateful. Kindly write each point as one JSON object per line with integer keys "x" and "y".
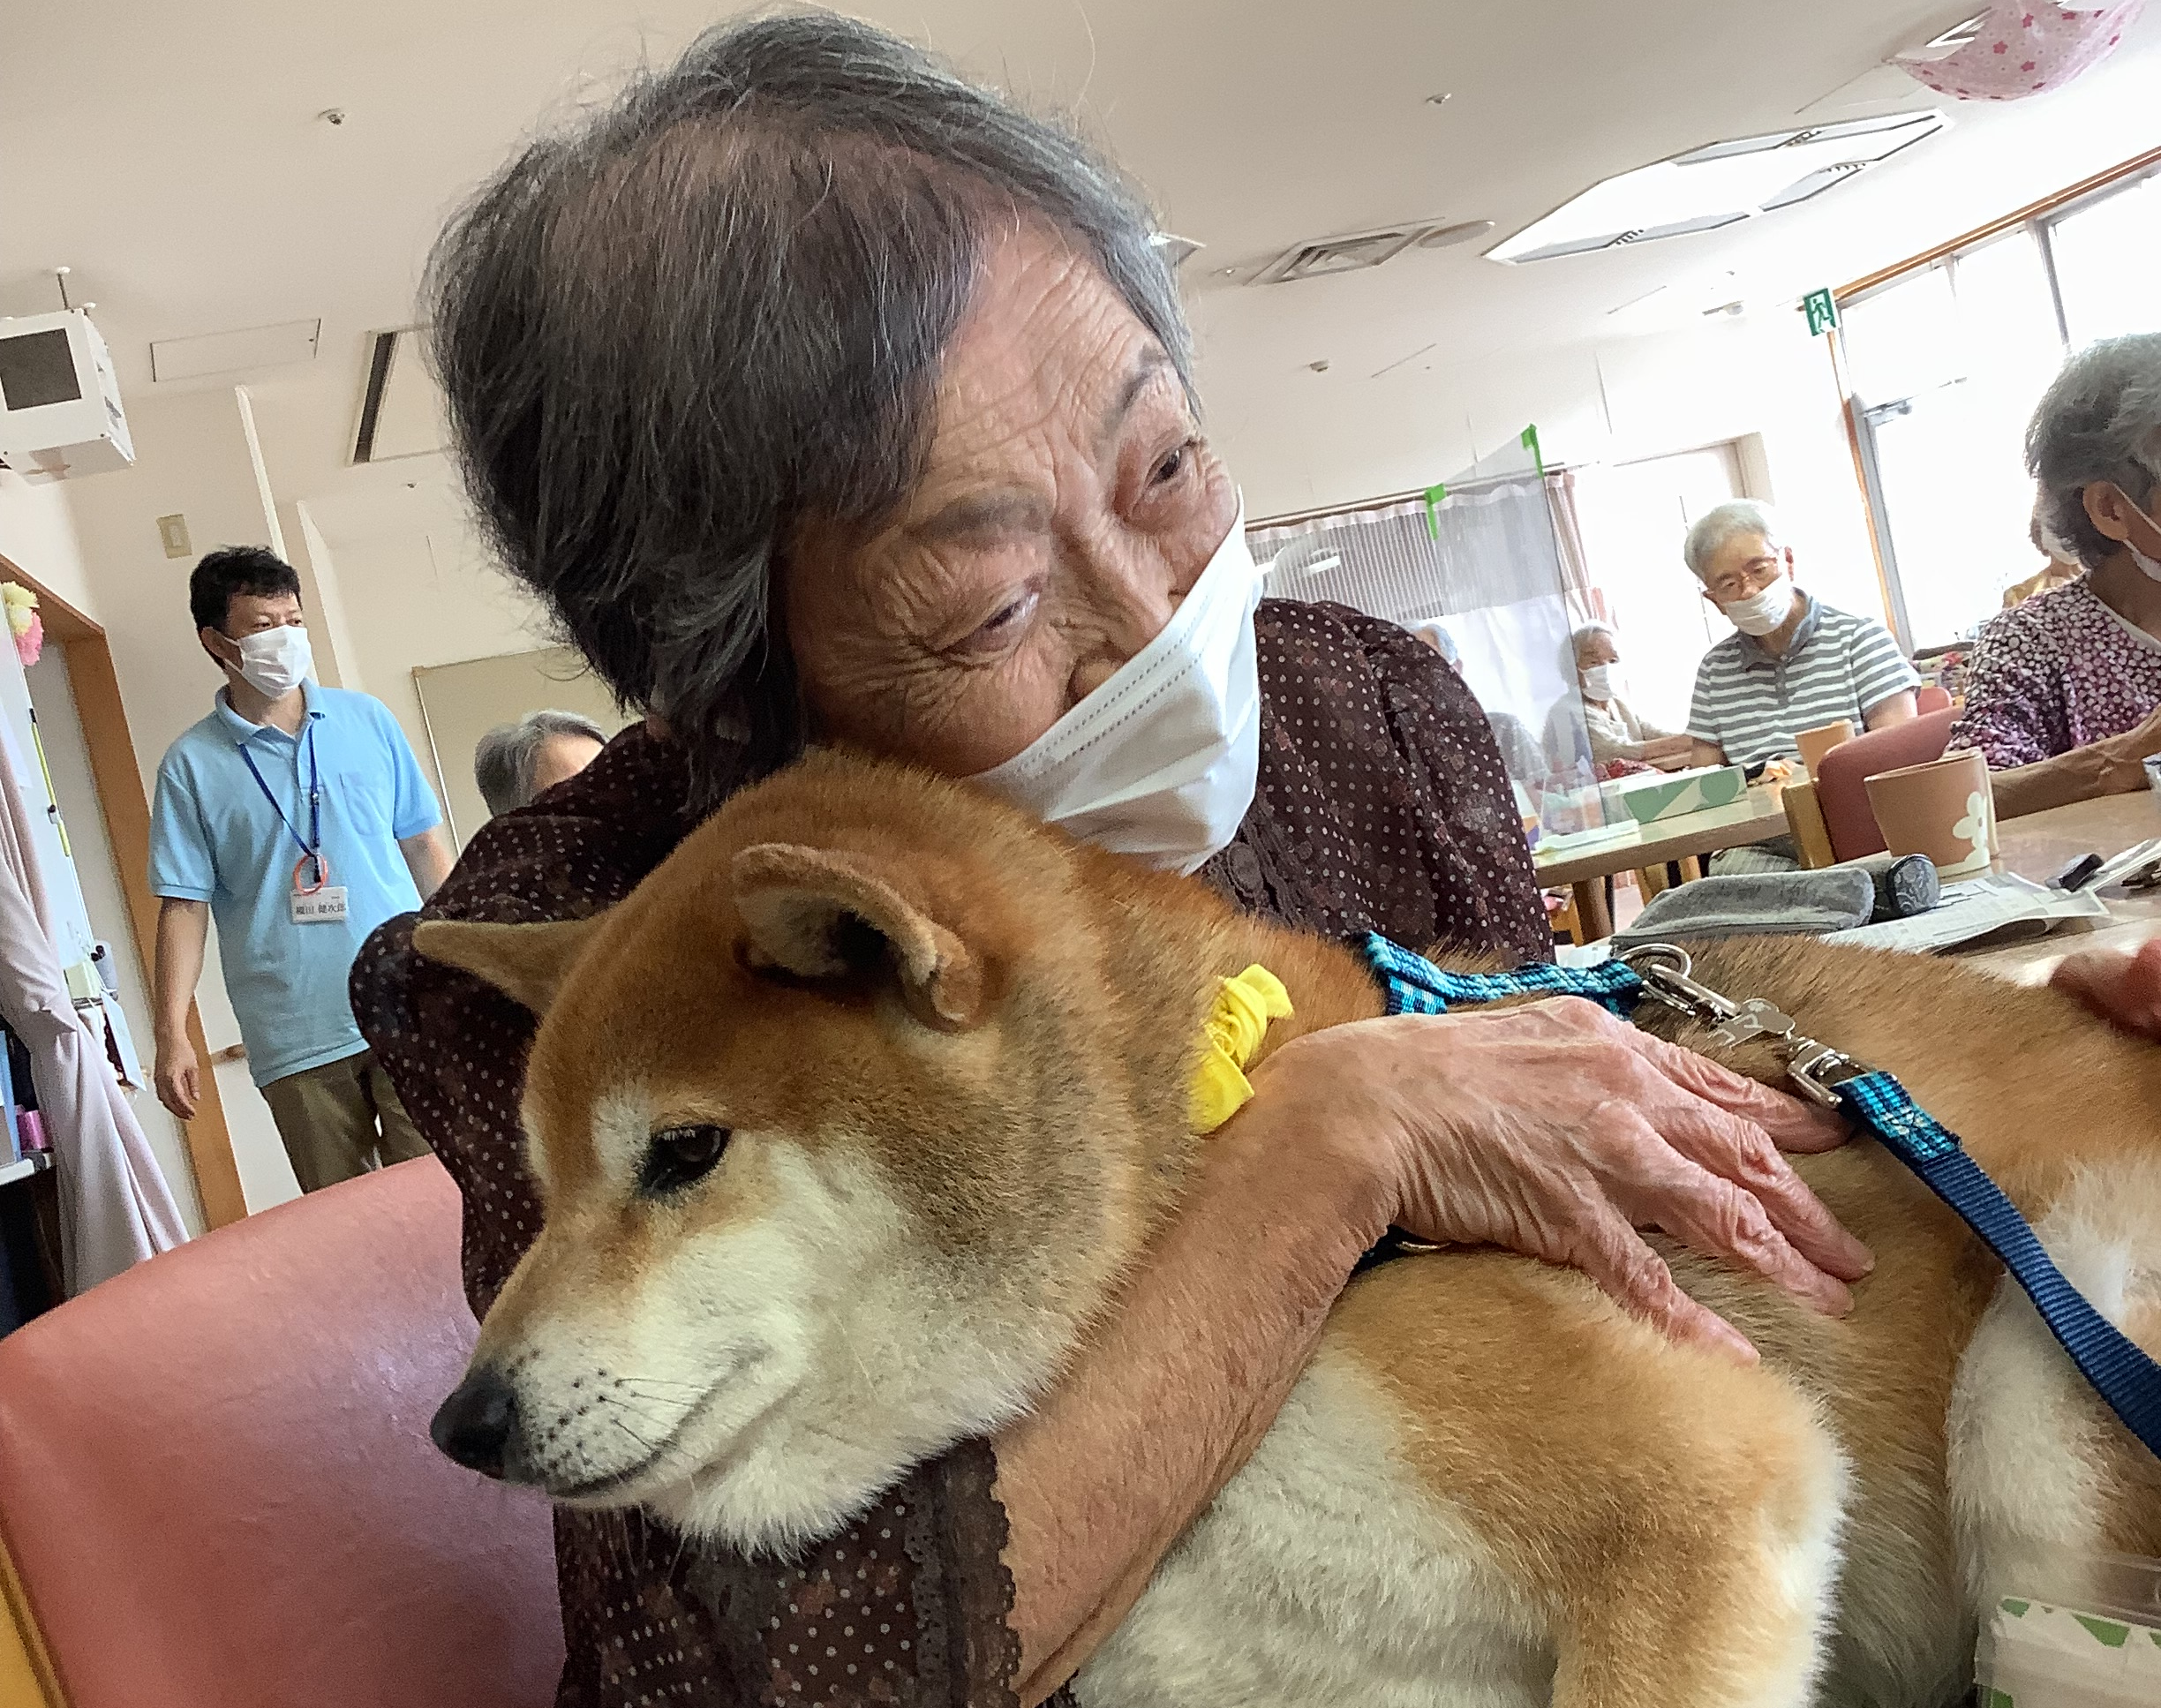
{"x": 2041, "y": 845}
{"x": 1756, "y": 817}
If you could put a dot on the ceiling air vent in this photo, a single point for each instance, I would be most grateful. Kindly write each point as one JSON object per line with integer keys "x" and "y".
{"x": 1352, "y": 254}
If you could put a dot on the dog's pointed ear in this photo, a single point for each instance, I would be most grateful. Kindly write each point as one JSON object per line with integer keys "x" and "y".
{"x": 821, "y": 914}
{"x": 526, "y": 962}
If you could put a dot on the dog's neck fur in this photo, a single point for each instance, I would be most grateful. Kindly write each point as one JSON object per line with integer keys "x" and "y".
{"x": 1175, "y": 939}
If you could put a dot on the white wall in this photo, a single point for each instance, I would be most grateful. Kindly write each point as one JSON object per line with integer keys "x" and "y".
{"x": 37, "y": 535}
{"x": 428, "y": 598}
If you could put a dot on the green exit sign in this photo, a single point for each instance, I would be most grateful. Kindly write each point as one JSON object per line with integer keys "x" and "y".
{"x": 1821, "y": 310}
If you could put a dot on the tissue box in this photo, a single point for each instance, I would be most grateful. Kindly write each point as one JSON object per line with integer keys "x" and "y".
{"x": 2036, "y": 1656}
{"x": 1670, "y": 793}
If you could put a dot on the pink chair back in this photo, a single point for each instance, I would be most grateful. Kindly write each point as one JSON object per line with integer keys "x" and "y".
{"x": 217, "y": 1487}
{"x": 1841, "y": 779}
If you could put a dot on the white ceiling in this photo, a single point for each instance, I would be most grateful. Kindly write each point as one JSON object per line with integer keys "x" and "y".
{"x": 171, "y": 153}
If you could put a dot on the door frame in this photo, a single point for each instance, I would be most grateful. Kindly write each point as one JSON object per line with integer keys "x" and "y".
{"x": 126, "y": 812}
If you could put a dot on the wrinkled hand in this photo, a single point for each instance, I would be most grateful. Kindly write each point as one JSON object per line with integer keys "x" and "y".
{"x": 1556, "y": 1130}
{"x": 178, "y": 1078}
{"x": 2121, "y": 988}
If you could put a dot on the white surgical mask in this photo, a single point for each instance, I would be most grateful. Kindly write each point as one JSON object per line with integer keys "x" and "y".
{"x": 276, "y": 661}
{"x": 2058, "y": 547}
{"x": 1160, "y": 762}
{"x": 2152, "y": 565}
{"x": 1761, "y": 613}
{"x": 1598, "y": 682}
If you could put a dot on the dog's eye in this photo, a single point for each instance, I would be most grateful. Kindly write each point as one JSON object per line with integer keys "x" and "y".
{"x": 677, "y": 1156}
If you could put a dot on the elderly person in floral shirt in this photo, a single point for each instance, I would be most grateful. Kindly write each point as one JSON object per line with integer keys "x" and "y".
{"x": 2066, "y": 687}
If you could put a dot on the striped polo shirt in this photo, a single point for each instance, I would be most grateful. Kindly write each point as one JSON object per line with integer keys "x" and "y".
{"x": 1837, "y": 666}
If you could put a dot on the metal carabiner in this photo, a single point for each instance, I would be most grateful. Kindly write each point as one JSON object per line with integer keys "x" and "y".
{"x": 1814, "y": 1067}
{"x": 1667, "y": 972}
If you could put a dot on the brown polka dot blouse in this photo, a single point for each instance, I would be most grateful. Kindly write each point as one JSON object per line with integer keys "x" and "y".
{"x": 1381, "y": 805}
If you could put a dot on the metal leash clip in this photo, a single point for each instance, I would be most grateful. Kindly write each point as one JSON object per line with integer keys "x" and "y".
{"x": 1668, "y": 974}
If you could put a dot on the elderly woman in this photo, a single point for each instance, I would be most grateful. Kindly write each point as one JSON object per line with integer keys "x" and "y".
{"x": 2065, "y": 693}
{"x": 822, "y": 396}
{"x": 515, "y": 765}
{"x": 1616, "y": 731}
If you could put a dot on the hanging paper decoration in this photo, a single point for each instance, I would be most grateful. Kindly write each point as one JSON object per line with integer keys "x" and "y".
{"x": 2021, "y": 48}
{"x": 23, "y": 622}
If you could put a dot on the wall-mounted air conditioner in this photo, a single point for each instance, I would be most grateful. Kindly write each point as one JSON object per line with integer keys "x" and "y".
{"x": 59, "y": 404}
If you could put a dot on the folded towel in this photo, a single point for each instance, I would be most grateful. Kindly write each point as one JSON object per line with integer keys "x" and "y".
{"x": 1757, "y": 904}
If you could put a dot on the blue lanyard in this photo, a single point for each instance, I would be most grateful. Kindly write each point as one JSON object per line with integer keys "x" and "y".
{"x": 311, "y": 846}
{"x": 2120, "y": 1371}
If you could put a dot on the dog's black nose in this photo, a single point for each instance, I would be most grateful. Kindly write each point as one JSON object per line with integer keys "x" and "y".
{"x": 475, "y": 1424}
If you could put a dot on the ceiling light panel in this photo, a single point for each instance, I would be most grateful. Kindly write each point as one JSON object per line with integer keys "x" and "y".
{"x": 1718, "y": 186}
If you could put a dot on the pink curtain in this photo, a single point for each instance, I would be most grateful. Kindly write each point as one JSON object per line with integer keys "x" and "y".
{"x": 1586, "y": 599}
{"x": 116, "y": 1209}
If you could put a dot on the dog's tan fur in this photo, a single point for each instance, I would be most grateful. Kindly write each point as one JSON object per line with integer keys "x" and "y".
{"x": 954, "y": 1049}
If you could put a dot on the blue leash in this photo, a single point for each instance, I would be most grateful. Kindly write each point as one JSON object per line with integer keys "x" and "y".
{"x": 2120, "y": 1372}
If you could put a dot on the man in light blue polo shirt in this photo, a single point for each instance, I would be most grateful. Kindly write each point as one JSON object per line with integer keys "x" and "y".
{"x": 298, "y": 817}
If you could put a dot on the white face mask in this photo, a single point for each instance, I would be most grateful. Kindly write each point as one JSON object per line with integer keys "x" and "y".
{"x": 276, "y": 661}
{"x": 1160, "y": 762}
{"x": 1761, "y": 613}
{"x": 2059, "y": 548}
{"x": 1598, "y": 682}
{"x": 2150, "y": 566}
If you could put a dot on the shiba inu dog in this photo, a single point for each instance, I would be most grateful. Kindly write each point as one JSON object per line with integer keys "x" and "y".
{"x": 849, "y": 1121}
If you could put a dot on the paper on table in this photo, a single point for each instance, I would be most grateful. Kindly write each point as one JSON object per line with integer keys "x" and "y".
{"x": 2035, "y": 1656}
{"x": 1974, "y": 909}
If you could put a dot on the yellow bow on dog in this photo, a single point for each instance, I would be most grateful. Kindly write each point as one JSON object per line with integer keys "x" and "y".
{"x": 1230, "y": 1036}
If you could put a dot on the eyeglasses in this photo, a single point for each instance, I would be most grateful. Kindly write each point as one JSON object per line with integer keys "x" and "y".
{"x": 1752, "y": 577}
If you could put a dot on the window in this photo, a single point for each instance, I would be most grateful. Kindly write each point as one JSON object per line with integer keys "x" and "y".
{"x": 2108, "y": 256}
{"x": 1948, "y": 364}
{"x": 1634, "y": 517}
{"x": 1945, "y": 365}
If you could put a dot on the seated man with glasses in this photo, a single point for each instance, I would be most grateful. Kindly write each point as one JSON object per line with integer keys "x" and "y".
{"x": 1792, "y": 662}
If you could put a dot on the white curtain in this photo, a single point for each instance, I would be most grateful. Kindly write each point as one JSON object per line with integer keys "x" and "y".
{"x": 115, "y": 1208}
{"x": 1486, "y": 564}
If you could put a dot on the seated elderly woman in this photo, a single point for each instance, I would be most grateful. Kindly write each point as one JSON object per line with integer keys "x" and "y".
{"x": 1617, "y": 733}
{"x": 2064, "y": 695}
{"x": 515, "y": 765}
{"x": 822, "y": 396}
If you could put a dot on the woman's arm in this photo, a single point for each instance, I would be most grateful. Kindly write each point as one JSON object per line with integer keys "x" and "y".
{"x": 1177, "y": 1390}
{"x": 2112, "y": 766}
{"x": 1561, "y": 1129}
{"x": 1892, "y": 709}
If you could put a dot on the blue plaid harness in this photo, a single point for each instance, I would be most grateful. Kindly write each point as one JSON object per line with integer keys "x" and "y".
{"x": 2119, "y": 1371}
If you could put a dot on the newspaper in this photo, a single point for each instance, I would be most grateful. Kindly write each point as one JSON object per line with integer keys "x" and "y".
{"x": 1979, "y": 908}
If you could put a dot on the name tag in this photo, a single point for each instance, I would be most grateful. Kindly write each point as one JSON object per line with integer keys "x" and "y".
{"x": 322, "y": 906}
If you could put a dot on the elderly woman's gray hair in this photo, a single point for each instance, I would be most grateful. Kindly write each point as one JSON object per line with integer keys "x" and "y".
{"x": 673, "y": 335}
{"x": 1724, "y": 522}
{"x": 2099, "y": 420}
{"x": 1583, "y": 635}
{"x": 503, "y": 759}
